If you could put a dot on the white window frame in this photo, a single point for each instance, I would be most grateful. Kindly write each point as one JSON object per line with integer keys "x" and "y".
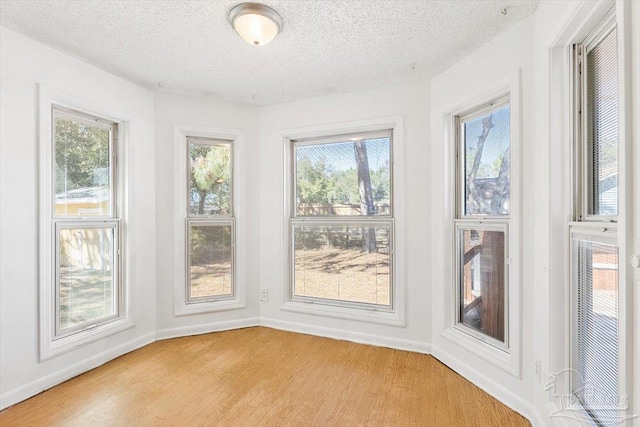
{"x": 394, "y": 315}
{"x": 608, "y": 228}
{"x": 52, "y": 342}
{"x": 183, "y": 305}
{"x": 507, "y": 355}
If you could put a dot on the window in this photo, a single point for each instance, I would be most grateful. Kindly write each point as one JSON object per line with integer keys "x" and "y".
{"x": 85, "y": 222}
{"x": 208, "y": 218}
{"x": 341, "y": 223}
{"x": 595, "y": 358}
{"x": 482, "y": 221}
{"x": 83, "y": 293}
{"x": 210, "y": 222}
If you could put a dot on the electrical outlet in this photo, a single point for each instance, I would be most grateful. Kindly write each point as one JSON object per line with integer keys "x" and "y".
{"x": 264, "y": 294}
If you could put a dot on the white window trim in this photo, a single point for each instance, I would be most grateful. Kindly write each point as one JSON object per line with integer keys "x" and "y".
{"x": 396, "y": 316}
{"x": 597, "y": 18}
{"x": 558, "y": 130}
{"x": 508, "y": 359}
{"x": 180, "y": 173}
{"x": 50, "y": 346}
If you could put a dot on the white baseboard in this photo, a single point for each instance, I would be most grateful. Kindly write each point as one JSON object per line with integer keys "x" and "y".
{"x": 41, "y": 384}
{"x": 537, "y": 419}
{"x": 184, "y": 331}
{"x": 540, "y": 420}
{"x": 357, "y": 337}
{"x": 554, "y": 417}
{"x": 490, "y": 386}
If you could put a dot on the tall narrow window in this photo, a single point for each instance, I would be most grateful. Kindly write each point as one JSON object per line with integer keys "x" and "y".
{"x": 210, "y": 222}
{"x": 342, "y": 221}
{"x": 482, "y": 221}
{"x": 594, "y": 245}
{"x": 85, "y": 222}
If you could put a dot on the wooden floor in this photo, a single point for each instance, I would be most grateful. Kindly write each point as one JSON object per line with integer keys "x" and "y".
{"x": 261, "y": 376}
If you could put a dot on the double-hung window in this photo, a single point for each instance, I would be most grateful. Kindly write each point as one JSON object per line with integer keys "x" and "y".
{"x": 209, "y": 221}
{"x": 85, "y": 222}
{"x": 482, "y": 220}
{"x": 594, "y": 232}
{"x": 341, "y": 223}
{"x": 82, "y": 289}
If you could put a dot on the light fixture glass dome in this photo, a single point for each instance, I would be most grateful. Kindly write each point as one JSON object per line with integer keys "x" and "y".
{"x": 256, "y": 23}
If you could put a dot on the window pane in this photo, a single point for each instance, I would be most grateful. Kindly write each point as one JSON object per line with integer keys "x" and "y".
{"x": 487, "y": 164}
{"x": 602, "y": 126}
{"x": 210, "y": 183}
{"x": 482, "y": 285}
{"x": 82, "y": 168}
{"x": 344, "y": 263}
{"x": 210, "y": 256}
{"x": 343, "y": 178}
{"x": 595, "y": 335}
{"x": 87, "y": 285}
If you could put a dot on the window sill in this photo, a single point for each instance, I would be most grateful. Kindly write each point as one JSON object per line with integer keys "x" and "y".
{"x": 53, "y": 348}
{"x": 208, "y": 307}
{"x": 501, "y": 358}
{"x": 346, "y": 313}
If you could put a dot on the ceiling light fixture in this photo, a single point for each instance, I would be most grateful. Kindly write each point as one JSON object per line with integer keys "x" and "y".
{"x": 256, "y": 23}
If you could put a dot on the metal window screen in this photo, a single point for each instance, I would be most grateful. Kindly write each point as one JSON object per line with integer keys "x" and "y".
{"x": 350, "y": 176}
{"x": 487, "y": 163}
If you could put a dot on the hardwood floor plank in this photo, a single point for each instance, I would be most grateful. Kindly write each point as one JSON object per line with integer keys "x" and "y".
{"x": 264, "y": 377}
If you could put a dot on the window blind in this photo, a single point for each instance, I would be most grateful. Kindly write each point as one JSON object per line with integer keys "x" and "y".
{"x": 595, "y": 338}
{"x": 602, "y": 125}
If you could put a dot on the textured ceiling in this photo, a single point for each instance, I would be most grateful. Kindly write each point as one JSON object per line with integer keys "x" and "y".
{"x": 325, "y": 46}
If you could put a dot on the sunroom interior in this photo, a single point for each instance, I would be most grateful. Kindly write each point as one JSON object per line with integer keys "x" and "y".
{"x": 455, "y": 179}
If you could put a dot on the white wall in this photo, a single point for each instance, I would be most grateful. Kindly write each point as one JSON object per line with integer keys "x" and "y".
{"x": 410, "y": 102}
{"x": 466, "y": 80}
{"x": 172, "y": 110}
{"x": 550, "y": 19}
{"x": 23, "y": 65}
